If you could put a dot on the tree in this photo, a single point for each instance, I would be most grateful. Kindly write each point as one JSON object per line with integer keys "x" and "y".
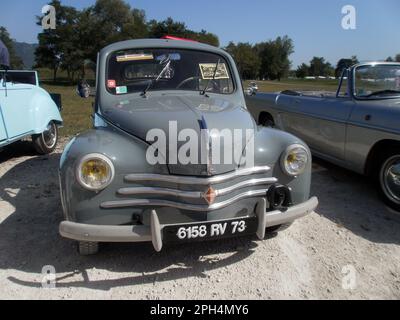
{"x": 344, "y": 64}
{"x": 246, "y": 58}
{"x": 158, "y": 29}
{"x": 109, "y": 21}
{"x": 204, "y": 37}
{"x": 302, "y": 71}
{"x": 80, "y": 35}
{"x": 320, "y": 67}
{"x": 137, "y": 27}
{"x": 274, "y": 56}
{"x": 15, "y": 61}
{"x": 397, "y": 58}
{"x": 56, "y": 46}
{"x": 389, "y": 59}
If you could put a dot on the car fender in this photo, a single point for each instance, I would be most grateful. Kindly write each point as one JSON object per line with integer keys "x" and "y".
{"x": 271, "y": 144}
{"x": 128, "y": 155}
{"x": 44, "y": 110}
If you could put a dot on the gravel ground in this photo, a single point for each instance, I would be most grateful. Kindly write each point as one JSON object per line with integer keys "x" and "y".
{"x": 352, "y": 233}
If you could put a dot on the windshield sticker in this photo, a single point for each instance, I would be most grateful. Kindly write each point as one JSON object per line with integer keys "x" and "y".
{"x": 122, "y": 90}
{"x": 111, "y": 84}
{"x": 135, "y": 57}
{"x": 170, "y": 56}
{"x": 208, "y": 70}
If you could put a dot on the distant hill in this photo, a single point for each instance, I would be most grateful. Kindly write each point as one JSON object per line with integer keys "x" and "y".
{"x": 26, "y": 51}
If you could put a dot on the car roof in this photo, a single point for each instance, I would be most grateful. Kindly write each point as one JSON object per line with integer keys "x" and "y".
{"x": 369, "y": 63}
{"x": 160, "y": 43}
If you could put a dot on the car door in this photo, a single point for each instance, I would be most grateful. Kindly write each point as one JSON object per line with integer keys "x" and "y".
{"x": 3, "y": 134}
{"x": 15, "y": 108}
{"x": 320, "y": 121}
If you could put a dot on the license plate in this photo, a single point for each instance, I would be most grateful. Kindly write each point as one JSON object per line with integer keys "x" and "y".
{"x": 210, "y": 230}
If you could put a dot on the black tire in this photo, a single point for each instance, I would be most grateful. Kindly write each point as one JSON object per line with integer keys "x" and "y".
{"x": 278, "y": 228}
{"x": 88, "y": 248}
{"x": 388, "y": 177}
{"x": 46, "y": 142}
{"x": 267, "y": 122}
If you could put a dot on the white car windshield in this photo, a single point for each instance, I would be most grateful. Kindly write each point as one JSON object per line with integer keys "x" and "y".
{"x": 377, "y": 80}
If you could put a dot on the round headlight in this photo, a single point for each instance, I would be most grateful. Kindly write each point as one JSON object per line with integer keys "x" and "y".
{"x": 95, "y": 172}
{"x": 294, "y": 160}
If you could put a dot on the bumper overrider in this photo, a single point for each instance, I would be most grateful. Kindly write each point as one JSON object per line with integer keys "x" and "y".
{"x": 154, "y": 232}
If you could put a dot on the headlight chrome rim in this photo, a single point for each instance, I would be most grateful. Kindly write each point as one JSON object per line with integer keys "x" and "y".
{"x": 285, "y": 154}
{"x": 94, "y": 156}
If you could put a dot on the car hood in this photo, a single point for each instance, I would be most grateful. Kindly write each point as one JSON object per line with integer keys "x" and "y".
{"x": 139, "y": 115}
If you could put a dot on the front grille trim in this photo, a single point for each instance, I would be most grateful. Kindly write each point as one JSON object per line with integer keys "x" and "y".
{"x": 196, "y": 180}
{"x": 133, "y": 191}
{"x": 179, "y": 205}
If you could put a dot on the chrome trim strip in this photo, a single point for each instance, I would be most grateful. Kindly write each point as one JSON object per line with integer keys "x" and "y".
{"x": 246, "y": 183}
{"x": 196, "y": 180}
{"x": 160, "y": 191}
{"x": 183, "y": 206}
{"x": 193, "y": 194}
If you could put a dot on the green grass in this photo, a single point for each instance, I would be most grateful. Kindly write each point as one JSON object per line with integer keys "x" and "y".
{"x": 77, "y": 111}
{"x": 296, "y": 84}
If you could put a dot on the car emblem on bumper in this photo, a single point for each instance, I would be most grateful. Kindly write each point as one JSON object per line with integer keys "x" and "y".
{"x": 210, "y": 195}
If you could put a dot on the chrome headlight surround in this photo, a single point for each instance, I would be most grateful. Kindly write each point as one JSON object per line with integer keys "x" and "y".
{"x": 294, "y": 160}
{"x": 104, "y": 161}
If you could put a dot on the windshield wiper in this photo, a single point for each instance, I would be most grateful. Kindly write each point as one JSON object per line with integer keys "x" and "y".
{"x": 203, "y": 92}
{"x": 154, "y": 81}
{"x": 377, "y": 93}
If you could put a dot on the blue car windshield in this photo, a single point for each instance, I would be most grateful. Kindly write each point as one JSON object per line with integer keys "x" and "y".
{"x": 131, "y": 71}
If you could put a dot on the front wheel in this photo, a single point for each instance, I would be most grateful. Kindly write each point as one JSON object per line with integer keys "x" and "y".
{"x": 389, "y": 179}
{"x": 266, "y": 121}
{"x": 46, "y": 142}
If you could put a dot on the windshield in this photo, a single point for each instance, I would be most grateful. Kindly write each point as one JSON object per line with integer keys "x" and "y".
{"x": 133, "y": 71}
{"x": 26, "y": 77}
{"x": 379, "y": 80}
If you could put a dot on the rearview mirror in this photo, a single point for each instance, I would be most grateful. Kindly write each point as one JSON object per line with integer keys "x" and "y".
{"x": 250, "y": 91}
{"x": 83, "y": 89}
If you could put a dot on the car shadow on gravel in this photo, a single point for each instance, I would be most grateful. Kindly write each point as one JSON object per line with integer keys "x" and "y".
{"x": 351, "y": 201}
{"x": 29, "y": 240}
{"x": 16, "y": 150}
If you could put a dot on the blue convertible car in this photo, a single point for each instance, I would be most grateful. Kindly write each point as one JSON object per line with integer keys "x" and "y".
{"x": 26, "y": 110}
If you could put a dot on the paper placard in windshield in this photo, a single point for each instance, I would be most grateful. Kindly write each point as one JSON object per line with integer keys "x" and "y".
{"x": 135, "y": 57}
{"x": 208, "y": 70}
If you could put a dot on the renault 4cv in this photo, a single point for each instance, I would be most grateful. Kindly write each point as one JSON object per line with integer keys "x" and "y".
{"x": 152, "y": 170}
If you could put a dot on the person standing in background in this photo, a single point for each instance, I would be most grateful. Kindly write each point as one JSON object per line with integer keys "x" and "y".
{"x": 4, "y": 57}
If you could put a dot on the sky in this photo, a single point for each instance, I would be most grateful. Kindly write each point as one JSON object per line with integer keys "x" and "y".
{"x": 314, "y": 25}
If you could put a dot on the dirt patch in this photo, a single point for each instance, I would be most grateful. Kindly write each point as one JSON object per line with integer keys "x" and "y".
{"x": 352, "y": 231}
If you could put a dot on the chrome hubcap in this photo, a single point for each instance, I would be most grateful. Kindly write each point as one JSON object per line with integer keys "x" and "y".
{"x": 50, "y": 136}
{"x": 391, "y": 178}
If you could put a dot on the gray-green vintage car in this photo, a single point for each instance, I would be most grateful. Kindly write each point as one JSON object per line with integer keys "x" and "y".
{"x": 358, "y": 127}
{"x": 127, "y": 181}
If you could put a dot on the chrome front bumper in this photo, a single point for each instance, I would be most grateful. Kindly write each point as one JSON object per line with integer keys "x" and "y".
{"x": 101, "y": 233}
